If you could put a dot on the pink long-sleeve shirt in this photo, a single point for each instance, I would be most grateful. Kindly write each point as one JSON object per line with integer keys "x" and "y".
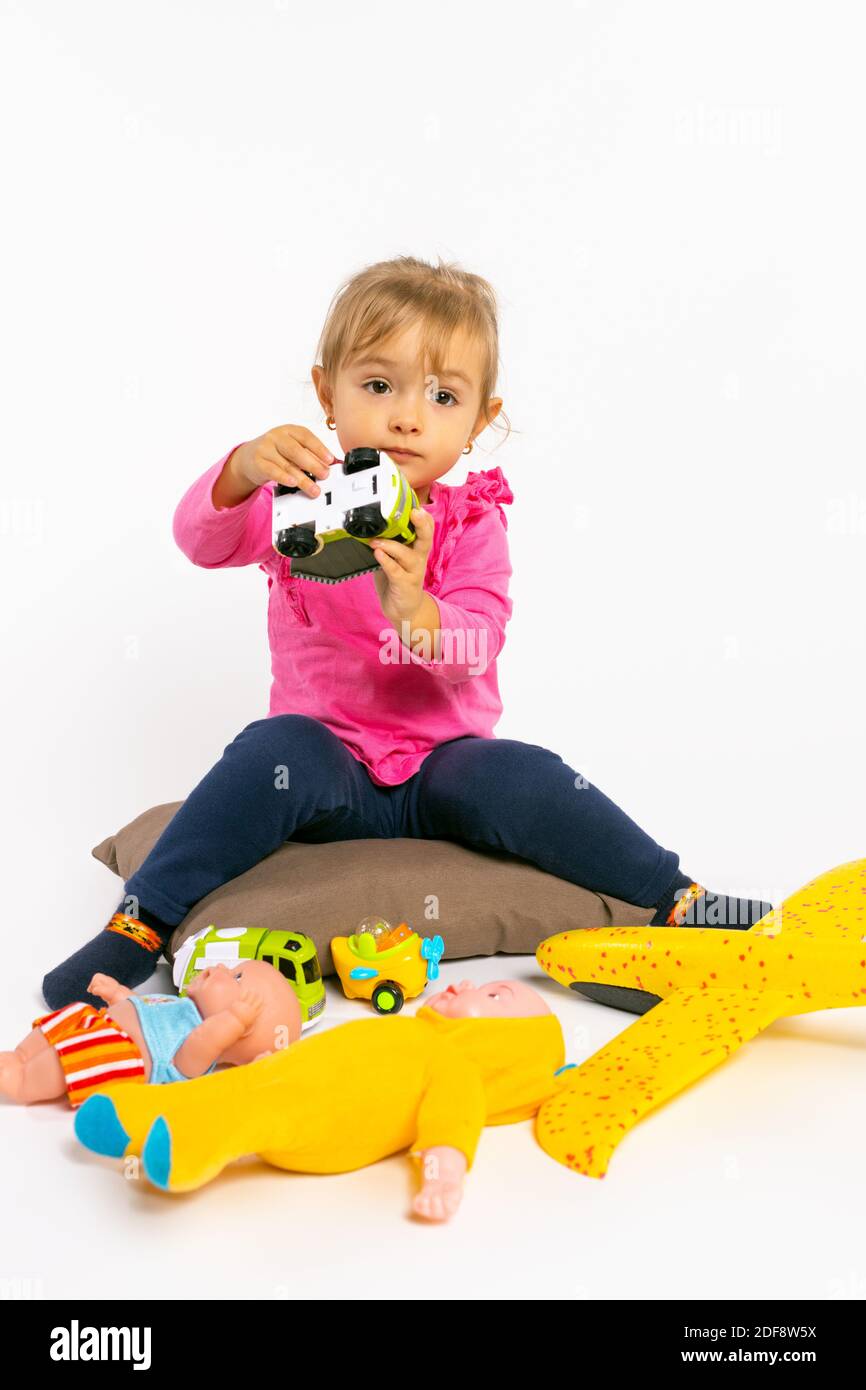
{"x": 334, "y": 654}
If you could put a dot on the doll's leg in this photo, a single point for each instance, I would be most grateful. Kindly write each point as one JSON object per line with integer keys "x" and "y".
{"x": 188, "y": 1131}
{"x": 33, "y": 1044}
{"x": 288, "y": 777}
{"x": 32, "y": 1072}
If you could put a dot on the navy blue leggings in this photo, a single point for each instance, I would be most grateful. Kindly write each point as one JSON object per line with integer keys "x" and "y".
{"x": 289, "y": 777}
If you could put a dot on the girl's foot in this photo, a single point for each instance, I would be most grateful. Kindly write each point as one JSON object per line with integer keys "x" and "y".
{"x": 686, "y": 904}
{"x": 689, "y": 904}
{"x": 128, "y": 949}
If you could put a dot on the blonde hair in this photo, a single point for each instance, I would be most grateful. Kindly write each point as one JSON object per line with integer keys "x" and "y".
{"x": 391, "y": 296}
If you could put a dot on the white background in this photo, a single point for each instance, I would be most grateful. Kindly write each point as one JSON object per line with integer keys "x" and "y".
{"x": 668, "y": 200}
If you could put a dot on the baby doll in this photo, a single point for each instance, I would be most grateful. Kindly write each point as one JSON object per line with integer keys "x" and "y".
{"x": 354, "y": 1094}
{"x": 232, "y": 1016}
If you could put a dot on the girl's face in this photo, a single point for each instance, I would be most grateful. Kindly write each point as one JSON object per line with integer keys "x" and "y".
{"x": 386, "y": 401}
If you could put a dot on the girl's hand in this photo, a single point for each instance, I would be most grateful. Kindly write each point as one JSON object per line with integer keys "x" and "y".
{"x": 400, "y": 578}
{"x": 284, "y": 454}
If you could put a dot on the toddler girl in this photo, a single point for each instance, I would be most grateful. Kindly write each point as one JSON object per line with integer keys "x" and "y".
{"x": 384, "y": 695}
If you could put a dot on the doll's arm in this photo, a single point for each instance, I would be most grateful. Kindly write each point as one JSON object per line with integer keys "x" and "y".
{"x": 207, "y": 1043}
{"x": 443, "y": 1170}
{"x": 107, "y": 988}
{"x": 450, "y": 1119}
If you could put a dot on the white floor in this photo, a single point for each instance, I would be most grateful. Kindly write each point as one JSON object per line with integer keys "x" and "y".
{"x": 749, "y": 1184}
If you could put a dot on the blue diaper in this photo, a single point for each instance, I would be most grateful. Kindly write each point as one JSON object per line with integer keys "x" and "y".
{"x": 166, "y": 1022}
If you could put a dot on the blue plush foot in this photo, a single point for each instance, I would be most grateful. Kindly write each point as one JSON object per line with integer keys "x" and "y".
{"x": 98, "y": 1128}
{"x": 156, "y": 1154}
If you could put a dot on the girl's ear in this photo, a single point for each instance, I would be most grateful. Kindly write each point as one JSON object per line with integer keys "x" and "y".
{"x": 320, "y": 381}
{"x": 486, "y": 417}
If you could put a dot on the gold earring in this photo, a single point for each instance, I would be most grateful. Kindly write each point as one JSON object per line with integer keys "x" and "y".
{"x": 331, "y": 422}
{"x": 468, "y": 449}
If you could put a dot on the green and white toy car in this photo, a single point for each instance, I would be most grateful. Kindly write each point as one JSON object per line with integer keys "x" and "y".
{"x": 327, "y": 537}
{"x": 292, "y": 953}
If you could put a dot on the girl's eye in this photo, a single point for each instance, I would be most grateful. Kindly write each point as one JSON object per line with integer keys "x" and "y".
{"x": 377, "y": 381}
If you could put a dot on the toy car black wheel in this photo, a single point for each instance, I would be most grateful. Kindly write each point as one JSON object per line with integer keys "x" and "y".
{"x": 358, "y": 460}
{"x": 299, "y": 542}
{"x": 387, "y": 998}
{"x": 364, "y": 522}
{"x": 282, "y": 488}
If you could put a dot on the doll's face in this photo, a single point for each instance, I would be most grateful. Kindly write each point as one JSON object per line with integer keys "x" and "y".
{"x": 387, "y": 400}
{"x": 277, "y": 1024}
{"x": 217, "y": 987}
{"x": 498, "y": 999}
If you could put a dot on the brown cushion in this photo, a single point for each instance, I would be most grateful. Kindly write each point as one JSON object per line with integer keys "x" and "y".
{"x": 487, "y": 901}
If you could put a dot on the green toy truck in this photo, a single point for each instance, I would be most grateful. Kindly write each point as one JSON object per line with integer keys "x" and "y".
{"x": 327, "y": 538}
{"x": 292, "y": 953}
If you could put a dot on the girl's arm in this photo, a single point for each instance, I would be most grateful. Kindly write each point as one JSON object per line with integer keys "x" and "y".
{"x": 472, "y": 602}
{"x": 214, "y": 537}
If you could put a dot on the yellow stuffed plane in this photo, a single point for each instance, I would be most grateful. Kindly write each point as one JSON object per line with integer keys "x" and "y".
{"x": 715, "y": 988}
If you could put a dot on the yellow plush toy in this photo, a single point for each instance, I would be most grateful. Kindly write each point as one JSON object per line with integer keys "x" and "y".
{"x": 717, "y": 989}
{"x": 428, "y": 1084}
{"x": 474, "y": 1056}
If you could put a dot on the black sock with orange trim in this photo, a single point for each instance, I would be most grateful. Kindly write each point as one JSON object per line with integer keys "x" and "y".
{"x": 688, "y": 904}
{"x": 127, "y": 948}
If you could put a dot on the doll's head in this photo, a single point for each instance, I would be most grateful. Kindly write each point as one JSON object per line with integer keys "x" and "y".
{"x": 498, "y": 999}
{"x": 409, "y": 356}
{"x": 507, "y": 1031}
{"x": 278, "y": 1022}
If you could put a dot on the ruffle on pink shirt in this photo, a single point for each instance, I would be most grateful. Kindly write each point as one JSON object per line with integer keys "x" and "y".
{"x": 292, "y": 585}
{"x": 481, "y": 492}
